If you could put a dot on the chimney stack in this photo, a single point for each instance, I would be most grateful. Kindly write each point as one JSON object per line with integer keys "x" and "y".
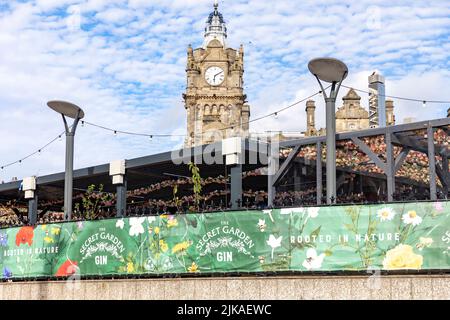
{"x": 377, "y": 107}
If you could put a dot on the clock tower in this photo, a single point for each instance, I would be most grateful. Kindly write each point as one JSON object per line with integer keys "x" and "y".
{"x": 214, "y": 100}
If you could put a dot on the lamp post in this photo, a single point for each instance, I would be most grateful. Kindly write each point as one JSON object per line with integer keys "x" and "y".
{"x": 332, "y": 71}
{"x": 67, "y": 109}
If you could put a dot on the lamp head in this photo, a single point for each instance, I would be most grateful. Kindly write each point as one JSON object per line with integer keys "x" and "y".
{"x": 328, "y": 69}
{"x": 66, "y": 108}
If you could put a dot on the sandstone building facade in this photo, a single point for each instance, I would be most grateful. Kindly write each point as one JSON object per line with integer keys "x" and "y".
{"x": 351, "y": 116}
{"x": 214, "y": 99}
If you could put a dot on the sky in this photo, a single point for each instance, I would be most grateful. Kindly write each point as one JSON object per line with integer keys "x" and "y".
{"x": 123, "y": 62}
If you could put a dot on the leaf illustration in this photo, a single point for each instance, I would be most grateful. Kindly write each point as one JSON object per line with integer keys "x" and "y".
{"x": 315, "y": 232}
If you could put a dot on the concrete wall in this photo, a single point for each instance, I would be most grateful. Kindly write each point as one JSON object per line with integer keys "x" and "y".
{"x": 281, "y": 287}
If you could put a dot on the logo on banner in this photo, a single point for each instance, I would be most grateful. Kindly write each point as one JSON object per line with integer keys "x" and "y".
{"x": 223, "y": 241}
{"x": 100, "y": 245}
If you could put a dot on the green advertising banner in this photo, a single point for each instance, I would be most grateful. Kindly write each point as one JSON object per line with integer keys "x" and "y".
{"x": 414, "y": 236}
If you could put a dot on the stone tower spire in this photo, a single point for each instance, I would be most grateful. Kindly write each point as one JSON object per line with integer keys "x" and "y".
{"x": 215, "y": 27}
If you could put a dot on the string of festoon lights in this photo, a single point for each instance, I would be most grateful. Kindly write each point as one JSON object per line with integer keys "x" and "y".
{"x": 151, "y": 136}
{"x": 423, "y": 101}
{"x": 38, "y": 151}
{"x": 273, "y": 114}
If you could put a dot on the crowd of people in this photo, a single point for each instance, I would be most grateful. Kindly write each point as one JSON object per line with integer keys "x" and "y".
{"x": 16, "y": 215}
{"x": 216, "y": 194}
{"x": 349, "y": 155}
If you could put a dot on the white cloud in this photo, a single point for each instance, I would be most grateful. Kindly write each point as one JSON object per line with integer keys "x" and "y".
{"x": 125, "y": 65}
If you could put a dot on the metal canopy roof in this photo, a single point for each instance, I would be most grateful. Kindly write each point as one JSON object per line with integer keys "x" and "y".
{"x": 397, "y": 129}
{"x": 141, "y": 172}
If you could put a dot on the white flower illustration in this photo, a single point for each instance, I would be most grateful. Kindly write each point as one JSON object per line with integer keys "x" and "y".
{"x": 262, "y": 225}
{"x": 386, "y": 214}
{"x": 151, "y": 219}
{"x": 411, "y": 217}
{"x": 313, "y": 261}
{"x": 313, "y": 212}
{"x": 136, "y": 227}
{"x": 120, "y": 224}
{"x": 274, "y": 242}
{"x": 269, "y": 212}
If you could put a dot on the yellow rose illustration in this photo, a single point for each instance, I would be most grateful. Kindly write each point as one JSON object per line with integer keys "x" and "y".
{"x": 193, "y": 268}
{"x": 402, "y": 257}
{"x": 163, "y": 246}
{"x": 130, "y": 267}
{"x": 180, "y": 247}
{"x": 172, "y": 223}
{"x": 47, "y": 239}
{"x": 157, "y": 230}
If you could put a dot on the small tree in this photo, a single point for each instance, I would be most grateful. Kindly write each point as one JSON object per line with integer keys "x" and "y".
{"x": 92, "y": 201}
{"x": 176, "y": 200}
{"x": 197, "y": 182}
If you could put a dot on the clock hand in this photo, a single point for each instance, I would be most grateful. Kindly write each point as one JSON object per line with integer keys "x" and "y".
{"x": 217, "y": 75}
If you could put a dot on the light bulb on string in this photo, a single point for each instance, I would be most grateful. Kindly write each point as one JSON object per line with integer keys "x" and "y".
{"x": 59, "y": 138}
{"x": 276, "y": 115}
{"x": 115, "y": 133}
{"x": 424, "y": 104}
{"x": 82, "y": 124}
{"x": 150, "y": 138}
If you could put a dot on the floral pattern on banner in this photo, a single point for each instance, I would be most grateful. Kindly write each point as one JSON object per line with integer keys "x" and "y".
{"x": 408, "y": 236}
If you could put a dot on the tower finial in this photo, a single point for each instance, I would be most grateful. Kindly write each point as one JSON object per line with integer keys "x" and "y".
{"x": 215, "y": 27}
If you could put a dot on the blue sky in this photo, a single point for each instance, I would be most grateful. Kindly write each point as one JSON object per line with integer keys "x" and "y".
{"x": 123, "y": 61}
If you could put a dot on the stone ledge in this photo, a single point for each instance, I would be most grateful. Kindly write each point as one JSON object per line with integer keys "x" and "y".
{"x": 238, "y": 288}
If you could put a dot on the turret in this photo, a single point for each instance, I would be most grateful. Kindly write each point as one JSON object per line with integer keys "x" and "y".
{"x": 390, "y": 117}
{"x": 310, "y": 118}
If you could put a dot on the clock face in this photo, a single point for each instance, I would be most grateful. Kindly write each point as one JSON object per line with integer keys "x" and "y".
{"x": 214, "y": 76}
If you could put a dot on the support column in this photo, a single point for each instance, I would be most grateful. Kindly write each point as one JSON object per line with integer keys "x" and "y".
{"x": 390, "y": 167}
{"x": 68, "y": 181}
{"x": 331, "y": 150}
{"x": 297, "y": 177}
{"x": 236, "y": 187}
{"x": 121, "y": 199}
{"x": 431, "y": 163}
{"x": 32, "y": 210}
{"x": 117, "y": 172}
{"x": 272, "y": 169}
{"x": 233, "y": 152}
{"x": 29, "y": 186}
{"x": 319, "y": 173}
{"x": 446, "y": 174}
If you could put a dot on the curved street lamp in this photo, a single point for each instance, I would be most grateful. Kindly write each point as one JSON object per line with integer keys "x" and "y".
{"x": 70, "y": 110}
{"x": 332, "y": 71}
